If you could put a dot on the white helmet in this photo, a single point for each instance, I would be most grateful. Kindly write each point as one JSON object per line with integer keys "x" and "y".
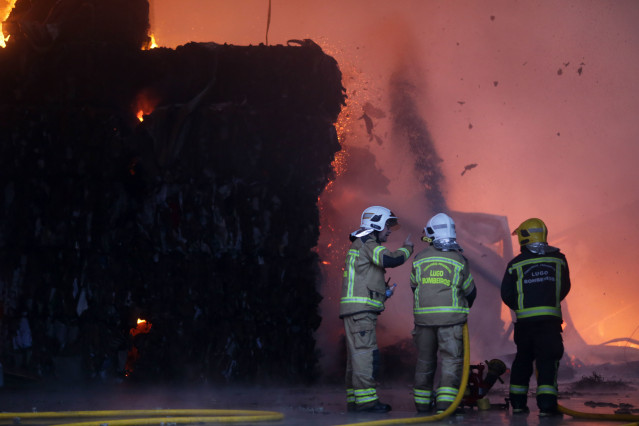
{"x": 375, "y": 218}
{"x": 440, "y": 226}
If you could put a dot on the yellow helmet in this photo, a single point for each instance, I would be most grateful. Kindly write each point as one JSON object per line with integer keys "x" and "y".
{"x": 532, "y": 230}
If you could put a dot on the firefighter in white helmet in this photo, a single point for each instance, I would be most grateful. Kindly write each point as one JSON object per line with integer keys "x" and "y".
{"x": 444, "y": 291}
{"x": 534, "y": 284}
{"x": 364, "y": 292}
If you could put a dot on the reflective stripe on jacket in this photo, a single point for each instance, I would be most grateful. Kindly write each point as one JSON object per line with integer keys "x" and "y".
{"x": 363, "y": 285}
{"x": 441, "y": 281}
{"x": 534, "y": 285}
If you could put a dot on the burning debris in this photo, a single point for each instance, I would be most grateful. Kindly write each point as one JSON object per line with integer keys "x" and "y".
{"x": 597, "y": 385}
{"x": 621, "y": 408}
{"x": 468, "y": 167}
{"x": 198, "y": 215}
{"x": 597, "y": 382}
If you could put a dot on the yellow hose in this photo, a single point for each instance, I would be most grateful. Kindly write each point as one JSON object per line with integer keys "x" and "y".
{"x": 150, "y": 417}
{"x": 435, "y": 417}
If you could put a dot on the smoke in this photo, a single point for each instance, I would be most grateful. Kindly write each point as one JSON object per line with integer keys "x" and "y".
{"x": 409, "y": 127}
{"x": 507, "y": 109}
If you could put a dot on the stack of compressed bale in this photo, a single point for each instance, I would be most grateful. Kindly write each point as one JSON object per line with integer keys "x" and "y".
{"x": 201, "y": 219}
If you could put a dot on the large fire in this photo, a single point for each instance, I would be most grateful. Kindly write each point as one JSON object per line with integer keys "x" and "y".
{"x": 4, "y": 14}
{"x": 145, "y": 103}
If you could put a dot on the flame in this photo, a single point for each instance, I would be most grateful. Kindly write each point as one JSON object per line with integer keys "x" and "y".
{"x": 151, "y": 44}
{"x": 339, "y": 163}
{"x": 4, "y": 14}
{"x": 145, "y": 103}
{"x": 574, "y": 362}
{"x": 143, "y": 327}
{"x": 358, "y": 94}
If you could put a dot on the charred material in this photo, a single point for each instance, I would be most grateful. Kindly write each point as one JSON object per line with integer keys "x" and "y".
{"x": 201, "y": 219}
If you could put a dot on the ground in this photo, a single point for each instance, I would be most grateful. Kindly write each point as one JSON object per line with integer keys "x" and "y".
{"x": 315, "y": 405}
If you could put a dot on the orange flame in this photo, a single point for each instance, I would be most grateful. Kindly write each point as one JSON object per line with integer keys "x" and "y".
{"x": 574, "y": 362}
{"x": 152, "y": 44}
{"x": 144, "y": 104}
{"x": 143, "y": 327}
{"x": 4, "y": 14}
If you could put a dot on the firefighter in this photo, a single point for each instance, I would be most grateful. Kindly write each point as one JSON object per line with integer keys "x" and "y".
{"x": 534, "y": 284}
{"x": 444, "y": 291}
{"x": 364, "y": 292}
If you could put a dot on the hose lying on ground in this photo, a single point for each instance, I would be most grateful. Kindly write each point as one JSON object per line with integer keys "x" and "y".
{"x": 435, "y": 417}
{"x": 149, "y": 417}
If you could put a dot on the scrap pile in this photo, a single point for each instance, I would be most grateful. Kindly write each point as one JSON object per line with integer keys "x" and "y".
{"x": 178, "y": 186}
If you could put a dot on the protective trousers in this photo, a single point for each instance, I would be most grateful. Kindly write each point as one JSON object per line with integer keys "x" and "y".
{"x": 538, "y": 341}
{"x": 450, "y": 343}
{"x": 362, "y": 360}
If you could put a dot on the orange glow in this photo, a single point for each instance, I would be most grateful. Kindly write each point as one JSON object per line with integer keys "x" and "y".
{"x": 131, "y": 357}
{"x": 145, "y": 103}
{"x": 491, "y": 95}
{"x": 143, "y": 327}
{"x": 4, "y": 14}
{"x": 624, "y": 344}
{"x": 339, "y": 162}
{"x": 152, "y": 44}
{"x": 574, "y": 362}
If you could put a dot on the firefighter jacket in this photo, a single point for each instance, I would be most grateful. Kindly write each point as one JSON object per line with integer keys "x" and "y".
{"x": 534, "y": 285}
{"x": 363, "y": 285}
{"x": 443, "y": 287}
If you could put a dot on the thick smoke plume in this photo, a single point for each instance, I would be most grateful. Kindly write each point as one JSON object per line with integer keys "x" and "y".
{"x": 409, "y": 126}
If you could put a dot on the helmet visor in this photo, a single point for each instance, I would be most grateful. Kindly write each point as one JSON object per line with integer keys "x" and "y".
{"x": 392, "y": 222}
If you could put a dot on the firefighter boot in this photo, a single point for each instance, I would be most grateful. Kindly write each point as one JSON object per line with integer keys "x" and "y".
{"x": 375, "y": 407}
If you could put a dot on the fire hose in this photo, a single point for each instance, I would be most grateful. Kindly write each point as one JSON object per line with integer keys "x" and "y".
{"x": 435, "y": 417}
{"x": 149, "y": 417}
{"x": 597, "y": 416}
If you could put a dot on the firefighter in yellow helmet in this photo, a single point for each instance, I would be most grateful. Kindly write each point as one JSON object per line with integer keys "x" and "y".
{"x": 364, "y": 292}
{"x": 534, "y": 284}
{"x": 444, "y": 291}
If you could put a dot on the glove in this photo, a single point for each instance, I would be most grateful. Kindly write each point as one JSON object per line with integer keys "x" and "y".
{"x": 389, "y": 290}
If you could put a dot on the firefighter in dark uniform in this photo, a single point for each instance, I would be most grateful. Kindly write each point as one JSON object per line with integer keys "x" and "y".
{"x": 534, "y": 284}
{"x": 444, "y": 291}
{"x": 364, "y": 292}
